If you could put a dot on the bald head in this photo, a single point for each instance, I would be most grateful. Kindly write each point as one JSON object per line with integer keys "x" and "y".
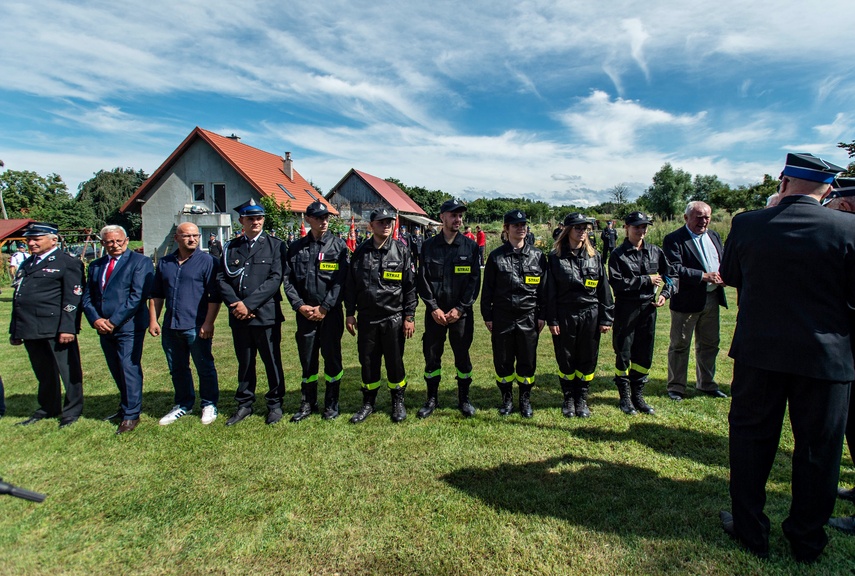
{"x": 187, "y": 238}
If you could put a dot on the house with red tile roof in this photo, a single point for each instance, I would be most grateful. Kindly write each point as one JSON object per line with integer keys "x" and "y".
{"x": 358, "y": 193}
{"x": 204, "y": 179}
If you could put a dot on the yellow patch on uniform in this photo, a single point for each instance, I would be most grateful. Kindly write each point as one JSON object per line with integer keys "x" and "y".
{"x": 463, "y": 269}
{"x": 329, "y": 265}
{"x": 532, "y": 279}
{"x": 591, "y": 283}
{"x": 387, "y": 275}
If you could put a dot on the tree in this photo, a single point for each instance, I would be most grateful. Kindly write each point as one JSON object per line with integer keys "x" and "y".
{"x": 669, "y": 193}
{"x": 850, "y": 149}
{"x": 27, "y": 194}
{"x": 105, "y": 193}
{"x": 619, "y": 195}
{"x": 704, "y": 187}
{"x": 278, "y": 217}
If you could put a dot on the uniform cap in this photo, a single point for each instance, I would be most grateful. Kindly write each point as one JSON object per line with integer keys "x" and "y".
{"x": 515, "y": 217}
{"x": 637, "y": 219}
{"x": 575, "y": 218}
{"x": 381, "y": 214}
{"x": 249, "y": 208}
{"x": 40, "y": 229}
{"x": 842, "y": 187}
{"x": 452, "y": 206}
{"x": 317, "y": 209}
{"x": 810, "y": 167}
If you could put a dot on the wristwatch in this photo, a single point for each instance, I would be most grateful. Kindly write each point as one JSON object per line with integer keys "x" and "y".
{"x": 409, "y": 318}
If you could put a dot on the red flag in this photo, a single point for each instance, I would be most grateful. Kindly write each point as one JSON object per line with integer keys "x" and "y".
{"x": 352, "y": 226}
{"x": 395, "y": 229}
{"x": 302, "y": 228}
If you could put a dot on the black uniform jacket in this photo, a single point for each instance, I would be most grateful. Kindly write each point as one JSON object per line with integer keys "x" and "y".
{"x": 630, "y": 270}
{"x": 609, "y": 236}
{"x": 253, "y": 276}
{"x": 47, "y": 297}
{"x": 315, "y": 271}
{"x": 380, "y": 282}
{"x": 514, "y": 283}
{"x": 793, "y": 266}
{"x": 682, "y": 253}
{"x": 576, "y": 282}
{"x": 449, "y": 274}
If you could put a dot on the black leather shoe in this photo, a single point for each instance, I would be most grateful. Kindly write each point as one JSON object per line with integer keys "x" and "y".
{"x": 66, "y": 422}
{"x": 273, "y": 416}
{"x": 727, "y": 525}
{"x": 675, "y": 396}
{"x": 127, "y": 426}
{"x": 238, "y": 416}
{"x": 846, "y": 494}
{"x": 714, "y": 393}
{"x": 113, "y": 416}
{"x": 845, "y": 524}
{"x": 28, "y": 421}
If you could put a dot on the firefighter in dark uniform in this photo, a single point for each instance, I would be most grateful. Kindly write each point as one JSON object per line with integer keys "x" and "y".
{"x": 250, "y": 278}
{"x": 46, "y": 320}
{"x": 609, "y": 237}
{"x": 449, "y": 279}
{"x": 579, "y": 309}
{"x": 381, "y": 286}
{"x": 416, "y": 242}
{"x": 642, "y": 280}
{"x": 513, "y": 305}
{"x": 314, "y": 285}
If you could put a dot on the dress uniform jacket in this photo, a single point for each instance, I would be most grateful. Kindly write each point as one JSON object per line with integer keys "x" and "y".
{"x": 253, "y": 274}
{"x": 522, "y": 288}
{"x": 682, "y": 253}
{"x": 47, "y": 297}
{"x": 449, "y": 274}
{"x": 380, "y": 282}
{"x": 316, "y": 271}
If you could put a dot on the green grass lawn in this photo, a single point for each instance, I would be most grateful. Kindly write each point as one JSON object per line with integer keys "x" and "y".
{"x": 609, "y": 495}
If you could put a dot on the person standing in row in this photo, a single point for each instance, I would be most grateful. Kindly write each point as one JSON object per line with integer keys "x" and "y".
{"x": 215, "y": 247}
{"x": 46, "y": 319}
{"x": 17, "y": 259}
{"x": 481, "y": 241}
{"x": 250, "y": 278}
{"x": 579, "y": 309}
{"x": 642, "y": 280}
{"x": 792, "y": 347}
{"x": 695, "y": 252}
{"x": 609, "y": 237}
{"x": 186, "y": 282}
{"x": 115, "y": 302}
{"x": 449, "y": 280}
{"x": 381, "y": 287}
{"x": 314, "y": 282}
{"x": 514, "y": 310}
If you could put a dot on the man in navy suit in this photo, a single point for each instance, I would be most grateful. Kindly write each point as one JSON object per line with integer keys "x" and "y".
{"x": 695, "y": 252}
{"x": 115, "y": 301}
{"x": 794, "y": 270}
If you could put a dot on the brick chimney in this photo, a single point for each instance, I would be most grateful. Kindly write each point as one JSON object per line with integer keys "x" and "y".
{"x": 234, "y": 137}
{"x": 289, "y": 166}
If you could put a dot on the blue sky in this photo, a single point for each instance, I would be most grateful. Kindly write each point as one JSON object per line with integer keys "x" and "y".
{"x": 552, "y": 100}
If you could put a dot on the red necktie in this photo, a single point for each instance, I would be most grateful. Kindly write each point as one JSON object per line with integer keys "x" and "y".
{"x": 109, "y": 270}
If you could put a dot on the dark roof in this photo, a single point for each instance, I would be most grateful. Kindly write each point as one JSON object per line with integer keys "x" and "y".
{"x": 390, "y": 192}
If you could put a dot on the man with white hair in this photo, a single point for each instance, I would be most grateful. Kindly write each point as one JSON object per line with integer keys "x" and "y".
{"x": 695, "y": 252}
{"x": 46, "y": 320}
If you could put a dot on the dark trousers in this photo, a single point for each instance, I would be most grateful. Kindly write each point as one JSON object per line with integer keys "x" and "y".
{"x": 460, "y": 336}
{"x": 577, "y": 346}
{"x": 264, "y": 341}
{"x": 632, "y": 338}
{"x": 850, "y": 428}
{"x": 180, "y": 346}
{"x": 2, "y": 398}
{"x": 54, "y": 362}
{"x": 514, "y": 341}
{"x": 818, "y": 410}
{"x": 321, "y": 339}
{"x": 378, "y": 341}
{"x": 123, "y": 352}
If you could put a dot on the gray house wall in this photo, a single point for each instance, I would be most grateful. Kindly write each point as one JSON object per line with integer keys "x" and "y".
{"x": 163, "y": 207}
{"x": 355, "y": 197}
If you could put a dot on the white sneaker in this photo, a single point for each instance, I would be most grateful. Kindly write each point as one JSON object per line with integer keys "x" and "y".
{"x": 209, "y": 414}
{"x": 173, "y": 415}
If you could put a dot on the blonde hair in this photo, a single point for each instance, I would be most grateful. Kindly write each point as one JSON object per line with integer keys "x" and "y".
{"x": 561, "y": 241}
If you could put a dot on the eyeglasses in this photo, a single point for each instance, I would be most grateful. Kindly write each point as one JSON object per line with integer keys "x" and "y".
{"x": 190, "y": 236}
{"x": 581, "y": 228}
{"x": 113, "y": 242}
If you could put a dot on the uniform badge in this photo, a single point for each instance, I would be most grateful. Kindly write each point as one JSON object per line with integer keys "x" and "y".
{"x": 51, "y": 270}
{"x": 236, "y": 262}
{"x": 70, "y": 308}
{"x": 78, "y": 290}
{"x": 51, "y": 259}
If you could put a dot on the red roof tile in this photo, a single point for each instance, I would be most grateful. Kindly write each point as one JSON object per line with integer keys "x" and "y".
{"x": 262, "y": 170}
{"x": 13, "y": 227}
{"x": 389, "y": 191}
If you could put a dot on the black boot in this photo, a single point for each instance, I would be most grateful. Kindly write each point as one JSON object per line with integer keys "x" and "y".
{"x": 638, "y": 397}
{"x": 466, "y": 408}
{"x": 399, "y": 412}
{"x": 331, "y": 400}
{"x": 568, "y": 408}
{"x": 431, "y": 403}
{"x": 506, "y": 388}
{"x": 625, "y": 403}
{"x": 308, "y": 401}
{"x": 580, "y": 398}
{"x": 525, "y": 400}
{"x": 368, "y": 399}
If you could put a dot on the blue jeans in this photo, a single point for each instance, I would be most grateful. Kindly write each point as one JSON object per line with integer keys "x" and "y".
{"x": 180, "y": 346}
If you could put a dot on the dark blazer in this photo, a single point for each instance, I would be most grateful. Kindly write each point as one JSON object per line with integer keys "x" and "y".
{"x": 681, "y": 252}
{"x": 124, "y": 301}
{"x": 794, "y": 270}
{"x": 47, "y": 297}
{"x": 253, "y": 276}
